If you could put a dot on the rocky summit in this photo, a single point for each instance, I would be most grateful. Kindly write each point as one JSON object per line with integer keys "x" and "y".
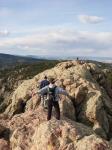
{"x": 86, "y": 121}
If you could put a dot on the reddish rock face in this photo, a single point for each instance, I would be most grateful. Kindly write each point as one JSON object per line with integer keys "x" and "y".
{"x": 4, "y": 145}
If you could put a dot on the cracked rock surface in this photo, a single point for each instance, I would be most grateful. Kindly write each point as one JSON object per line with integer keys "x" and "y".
{"x": 86, "y": 122}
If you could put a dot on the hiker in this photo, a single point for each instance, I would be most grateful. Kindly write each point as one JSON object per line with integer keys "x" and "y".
{"x": 53, "y": 92}
{"x": 44, "y": 82}
{"x": 43, "y": 96}
{"x": 77, "y": 60}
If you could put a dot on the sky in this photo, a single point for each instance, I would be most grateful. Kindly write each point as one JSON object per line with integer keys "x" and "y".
{"x": 56, "y": 27}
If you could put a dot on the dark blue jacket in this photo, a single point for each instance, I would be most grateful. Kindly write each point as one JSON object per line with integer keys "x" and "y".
{"x": 44, "y": 83}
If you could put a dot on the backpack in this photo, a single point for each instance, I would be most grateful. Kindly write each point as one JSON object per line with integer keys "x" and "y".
{"x": 51, "y": 96}
{"x": 51, "y": 93}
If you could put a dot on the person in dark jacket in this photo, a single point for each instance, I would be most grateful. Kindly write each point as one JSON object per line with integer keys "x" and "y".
{"x": 53, "y": 91}
{"x": 44, "y": 82}
{"x": 43, "y": 96}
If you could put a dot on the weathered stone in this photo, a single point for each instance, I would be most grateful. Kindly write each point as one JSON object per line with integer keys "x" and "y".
{"x": 93, "y": 108}
{"x": 4, "y": 145}
{"x": 68, "y": 109}
{"x": 92, "y": 142}
{"x": 80, "y": 94}
{"x": 55, "y": 135}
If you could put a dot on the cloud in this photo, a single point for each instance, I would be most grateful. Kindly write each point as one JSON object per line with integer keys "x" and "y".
{"x": 4, "y": 33}
{"x": 4, "y": 12}
{"x": 90, "y": 19}
{"x": 61, "y": 42}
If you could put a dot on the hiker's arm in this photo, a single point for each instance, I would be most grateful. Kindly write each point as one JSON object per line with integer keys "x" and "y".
{"x": 43, "y": 90}
{"x": 64, "y": 92}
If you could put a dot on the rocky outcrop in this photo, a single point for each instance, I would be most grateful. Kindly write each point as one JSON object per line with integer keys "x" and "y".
{"x": 92, "y": 101}
{"x": 92, "y": 142}
{"x": 85, "y": 121}
{"x": 31, "y": 131}
{"x": 59, "y": 135}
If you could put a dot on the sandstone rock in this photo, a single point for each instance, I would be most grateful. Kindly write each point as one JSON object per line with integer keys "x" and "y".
{"x": 93, "y": 108}
{"x": 33, "y": 103}
{"x": 31, "y": 131}
{"x": 68, "y": 109}
{"x": 80, "y": 94}
{"x": 94, "y": 68}
{"x": 23, "y": 127}
{"x": 92, "y": 142}
{"x": 4, "y": 145}
{"x": 57, "y": 135}
{"x": 19, "y": 98}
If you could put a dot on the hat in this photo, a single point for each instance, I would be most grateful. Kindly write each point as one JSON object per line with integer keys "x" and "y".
{"x": 52, "y": 80}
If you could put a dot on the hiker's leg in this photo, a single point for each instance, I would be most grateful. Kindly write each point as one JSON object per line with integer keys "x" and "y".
{"x": 42, "y": 101}
{"x": 49, "y": 110}
{"x": 45, "y": 102}
{"x": 57, "y": 109}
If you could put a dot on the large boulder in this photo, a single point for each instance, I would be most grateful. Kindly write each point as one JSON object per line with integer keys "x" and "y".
{"x": 92, "y": 142}
{"x": 22, "y": 128}
{"x": 31, "y": 131}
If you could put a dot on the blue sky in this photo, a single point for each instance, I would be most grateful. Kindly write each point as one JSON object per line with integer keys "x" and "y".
{"x": 56, "y": 27}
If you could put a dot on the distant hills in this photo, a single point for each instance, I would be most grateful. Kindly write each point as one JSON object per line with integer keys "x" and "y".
{"x": 7, "y": 60}
{"x": 100, "y": 59}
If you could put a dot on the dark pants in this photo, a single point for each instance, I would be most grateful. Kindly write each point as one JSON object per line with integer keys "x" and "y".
{"x": 52, "y": 103}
